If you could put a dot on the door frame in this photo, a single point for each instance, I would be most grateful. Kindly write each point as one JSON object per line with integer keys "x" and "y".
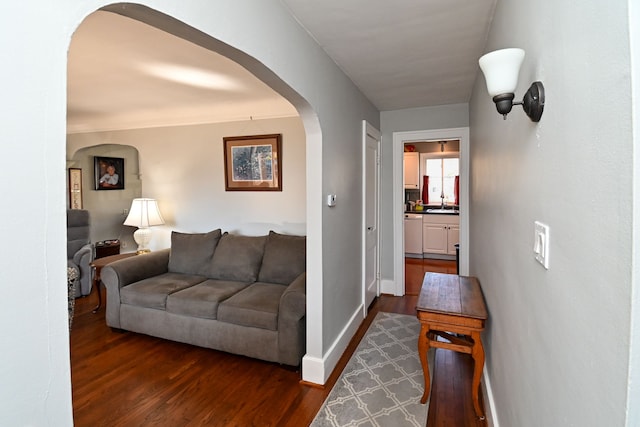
{"x": 399, "y": 139}
{"x": 368, "y": 129}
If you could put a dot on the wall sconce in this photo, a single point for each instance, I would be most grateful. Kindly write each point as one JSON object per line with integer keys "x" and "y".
{"x": 501, "y": 69}
{"x": 144, "y": 213}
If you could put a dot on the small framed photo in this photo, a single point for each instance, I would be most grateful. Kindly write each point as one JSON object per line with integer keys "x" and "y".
{"x": 253, "y": 163}
{"x": 109, "y": 173}
{"x": 75, "y": 188}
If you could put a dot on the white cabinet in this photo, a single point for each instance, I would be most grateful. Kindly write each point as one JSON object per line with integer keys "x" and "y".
{"x": 440, "y": 233}
{"x": 412, "y": 170}
{"x": 453, "y": 237}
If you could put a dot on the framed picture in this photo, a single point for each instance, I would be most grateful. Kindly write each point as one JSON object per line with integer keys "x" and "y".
{"x": 109, "y": 173}
{"x": 75, "y": 188}
{"x": 253, "y": 163}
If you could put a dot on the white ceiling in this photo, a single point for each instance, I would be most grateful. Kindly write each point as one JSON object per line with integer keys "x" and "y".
{"x": 401, "y": 54}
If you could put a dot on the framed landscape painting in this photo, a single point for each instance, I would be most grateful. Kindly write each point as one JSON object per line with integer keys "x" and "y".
{"x": 253, "y": 163}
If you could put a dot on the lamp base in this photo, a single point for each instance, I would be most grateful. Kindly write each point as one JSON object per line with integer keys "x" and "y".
{"x": 142, "y": 236}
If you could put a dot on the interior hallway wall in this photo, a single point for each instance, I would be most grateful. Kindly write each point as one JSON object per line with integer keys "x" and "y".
{"x": 273, "y": 45}
{"x": 557, "y": 340}
{"x": 413, "y": 119}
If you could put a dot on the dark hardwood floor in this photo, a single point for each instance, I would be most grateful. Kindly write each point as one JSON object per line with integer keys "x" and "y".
{"x": 127, "y": 379}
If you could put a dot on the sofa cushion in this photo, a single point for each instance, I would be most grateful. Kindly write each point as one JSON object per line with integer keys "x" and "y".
{"x": 284, "y": 258}
{"x": 202, "y": 299}
{"x": 153, "y": 292}
{"x": 237, "y": 258}
{"x": 192, "y": 253}
{"x": 255, "y": 306}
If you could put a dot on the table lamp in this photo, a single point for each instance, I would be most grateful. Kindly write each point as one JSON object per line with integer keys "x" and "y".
{"x": 143, "y": 214}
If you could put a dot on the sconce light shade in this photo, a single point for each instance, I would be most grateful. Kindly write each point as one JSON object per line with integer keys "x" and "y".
{"x": 501, "y": 69}
{"x": 144, "y": 213}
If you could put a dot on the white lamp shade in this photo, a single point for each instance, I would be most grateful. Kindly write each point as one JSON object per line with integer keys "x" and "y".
{"x": 144, "y": 213}
{"x": 501, "y": 69}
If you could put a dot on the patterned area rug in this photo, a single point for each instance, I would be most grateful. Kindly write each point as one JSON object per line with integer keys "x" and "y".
{"x": 382, "y": 383}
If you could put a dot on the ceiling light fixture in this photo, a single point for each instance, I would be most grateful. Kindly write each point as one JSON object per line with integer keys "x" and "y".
{"x": 501, "y": 69}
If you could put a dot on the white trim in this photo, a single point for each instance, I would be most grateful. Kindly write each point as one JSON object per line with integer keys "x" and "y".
{"x": 490, "y": 407}
{"x": 369, "y": 130}
{"x": 387, "y": 286}
{"x": 399, "y": 138}
{"x": 314, "y": 332}
{"x": 317, "y": 370}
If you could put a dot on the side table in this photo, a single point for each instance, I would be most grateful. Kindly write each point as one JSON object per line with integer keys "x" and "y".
{"x": 97, "y": 266}
{"x": 452, "y": 307}
{"x": 107, "y": 248}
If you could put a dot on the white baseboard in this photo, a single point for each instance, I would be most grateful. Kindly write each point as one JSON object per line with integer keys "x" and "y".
{"x": 316, "y": 370}
{"x": 490, "y": 403}
{"x": 388, "y": 287}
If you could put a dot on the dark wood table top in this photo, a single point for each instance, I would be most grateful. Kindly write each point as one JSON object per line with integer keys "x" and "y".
{"x": 101, "y": 262}
{"x": 452, "y": 294}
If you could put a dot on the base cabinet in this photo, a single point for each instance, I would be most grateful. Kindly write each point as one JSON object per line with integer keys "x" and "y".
{"x": 440, "y": 233}
{"x": 453, "y": 237}
{"x": 434, "y": 238}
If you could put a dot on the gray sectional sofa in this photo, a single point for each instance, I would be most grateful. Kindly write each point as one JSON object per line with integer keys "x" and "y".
{"x": 240, "y": 294}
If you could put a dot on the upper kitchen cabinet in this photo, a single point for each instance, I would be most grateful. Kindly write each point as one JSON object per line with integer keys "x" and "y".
{"x": 411, "y": 170}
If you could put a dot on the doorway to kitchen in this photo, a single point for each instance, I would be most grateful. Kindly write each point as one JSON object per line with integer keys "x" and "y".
{"x": 439, "y": 185}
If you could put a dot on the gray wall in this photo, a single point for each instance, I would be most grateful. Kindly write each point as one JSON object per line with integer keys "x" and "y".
{"x": 182, "y": 167}
{"x": 427, "y": 118}
{"x": 557, "y": 340}
{"x": 270, "y": 44}
{"x": 106, "y": 207}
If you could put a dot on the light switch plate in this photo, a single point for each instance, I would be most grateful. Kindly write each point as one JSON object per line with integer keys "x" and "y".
{"x": 541, "y": 244}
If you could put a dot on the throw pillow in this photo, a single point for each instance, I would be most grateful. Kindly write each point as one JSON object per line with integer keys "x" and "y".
{"x": 237, "y": 258}
{"x": 192, "y": 253}
{"x": 284, "y": 258}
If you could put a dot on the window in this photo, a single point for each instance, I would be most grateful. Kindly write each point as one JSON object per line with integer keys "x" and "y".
{"x": 442, "y": 172}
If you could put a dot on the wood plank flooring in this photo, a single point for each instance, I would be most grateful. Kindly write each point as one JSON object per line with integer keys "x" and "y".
{"x": 127, "y": 379}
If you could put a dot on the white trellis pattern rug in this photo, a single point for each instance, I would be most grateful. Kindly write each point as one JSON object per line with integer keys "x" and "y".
{"x": 382, "y": 383}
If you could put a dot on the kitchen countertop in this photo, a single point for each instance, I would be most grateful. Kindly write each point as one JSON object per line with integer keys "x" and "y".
{"x": 435, "y": 211}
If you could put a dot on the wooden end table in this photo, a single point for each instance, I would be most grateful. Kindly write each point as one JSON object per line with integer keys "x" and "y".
{"x": 452, "y": 307}
{"x": 96, "y": 267}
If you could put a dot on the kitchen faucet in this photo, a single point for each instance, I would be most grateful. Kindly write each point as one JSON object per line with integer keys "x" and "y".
{"x": 442, "y": 197}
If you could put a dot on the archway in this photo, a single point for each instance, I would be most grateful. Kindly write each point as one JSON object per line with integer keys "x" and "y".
{"x": 313, "y": 162}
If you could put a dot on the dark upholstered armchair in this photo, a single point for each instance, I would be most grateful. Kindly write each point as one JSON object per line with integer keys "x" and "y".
{"x": 79, "y": 248}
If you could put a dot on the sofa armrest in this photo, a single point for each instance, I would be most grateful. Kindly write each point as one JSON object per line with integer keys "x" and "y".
{"x": 127, "y": 271}
{"x": 294, "y": 299}
{"x": 83, "y": 252}
{"x": 130, "y": 270}
{"x": 291, "y": 322}
{"x": 82, "y": 259}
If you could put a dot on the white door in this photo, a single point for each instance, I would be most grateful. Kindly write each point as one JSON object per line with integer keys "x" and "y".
{"x": 370, "y": 191}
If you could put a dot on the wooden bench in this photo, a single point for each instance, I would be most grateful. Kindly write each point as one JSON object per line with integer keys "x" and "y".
{"x": 452, "y": 308}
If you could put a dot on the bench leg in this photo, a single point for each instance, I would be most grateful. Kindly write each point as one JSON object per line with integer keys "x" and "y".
{"x": 477, "y": 352}
{"x": 423, "y": 348}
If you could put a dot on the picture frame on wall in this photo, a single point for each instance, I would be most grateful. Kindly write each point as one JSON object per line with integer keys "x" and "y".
{"x": 75, "y": 188}
{"x": 253, "y": 163}
{"x": 109, "y": 173}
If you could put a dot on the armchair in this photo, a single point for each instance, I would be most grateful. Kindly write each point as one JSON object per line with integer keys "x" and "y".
{"x": 79, "y": 248}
